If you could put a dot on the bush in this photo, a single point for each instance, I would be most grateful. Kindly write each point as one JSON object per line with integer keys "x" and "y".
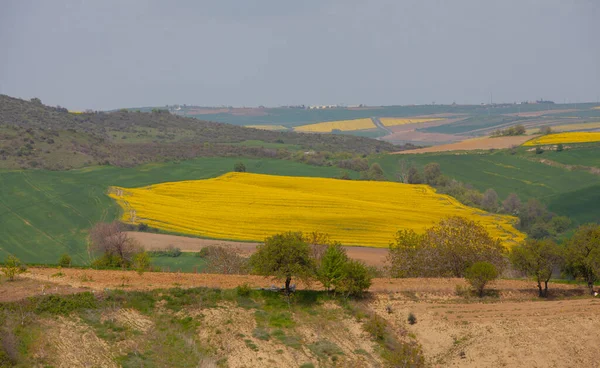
{"x": 141, "y": 262}
{"x": 243, "y": 290}
{"x": 375, "y": 326}
{"x": 13, "y": 267}
{"x": 239, "y": 167}
{"x": 65, "y": 261}
{"x": 354, "y": 280}
{"x": 480, "y": 274}
{"x": 170, "y": 251}
{"x": 412, "y": 319}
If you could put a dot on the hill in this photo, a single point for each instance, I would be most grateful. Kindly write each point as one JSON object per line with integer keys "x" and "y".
{"x": 37, "y": 136}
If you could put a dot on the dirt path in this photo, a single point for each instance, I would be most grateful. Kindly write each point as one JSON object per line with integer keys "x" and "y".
{"x": 416, "y": 288}
{"x": 380, "y": 125}
{"x": 371, "y": 256}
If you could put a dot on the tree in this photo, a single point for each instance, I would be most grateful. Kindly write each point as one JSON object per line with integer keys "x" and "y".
{"x": 402, "y": 173}
{"x": 582, "y": 254}
{"x": 239, "y": 167}
{"x": 480, "y": 274}
{"x": 490, "y": 200}
{"x": 404, "y": 254}
{"x": 445, "y": 250}
{"x": 12, "y": 267}
{"x": 355, "y": 278}
{"x": 222, "y": 260}
{"x": 519, "y": 129}
{"x": 559, "y": 224}
{"x": 512, "y": 204}
{"x": 331, "y": 268}
{"x": 64, "y": 260}
{"x": 457, "y": 243}
{"x": 545, "y": 130}
{"x": 431, "y": 173}
{"x": 141, "y": 262}
{"x": 318, "y": 243}
{"x": 113, "y": 245}
{"x": 537, "y": 259}
{"x": 375, "y": 172}
{"x": 283, "y": 256}
{"x": 539, "y": 230}
{"x": 414, "y": 176}
{"x": 560, "y": 147}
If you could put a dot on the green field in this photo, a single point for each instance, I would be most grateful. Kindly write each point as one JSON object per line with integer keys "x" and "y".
{"x": 520, "y": 173}
{"x": 44, "y": 214}
{"x": 584, "y": 154}
{"x": 186, "y": 262}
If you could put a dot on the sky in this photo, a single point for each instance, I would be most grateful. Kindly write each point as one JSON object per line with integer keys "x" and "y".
{"x": 107, "y": 54}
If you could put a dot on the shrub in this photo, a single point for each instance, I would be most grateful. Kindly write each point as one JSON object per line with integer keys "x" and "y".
{"x": 375, "y": 326}
{"x": 332, "y": 264}
{"x": 65, "y": 261}
{"x": 480, "y": 274}
{"x": 354, "y": 279}
{"x": 412, "y": 319}
{"x": 243, "y": 289}
{"x": 13, "y": 267}
{"x": 239, "y": 167}
{"x": 141, "y": 262}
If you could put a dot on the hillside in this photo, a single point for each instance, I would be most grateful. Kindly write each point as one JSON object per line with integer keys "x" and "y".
{"x": 38, "y": 136}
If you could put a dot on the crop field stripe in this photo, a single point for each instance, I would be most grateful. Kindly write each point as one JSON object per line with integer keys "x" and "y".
{"x": 568, "y": 137}
{"x": 242, "y": 206}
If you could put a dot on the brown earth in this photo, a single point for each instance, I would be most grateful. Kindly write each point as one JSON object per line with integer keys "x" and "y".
{"x": 22, "y": 288}
{"x": 512, "y": 329}
{"x": 371, "y": 256}
{"x": 474, "y": 144}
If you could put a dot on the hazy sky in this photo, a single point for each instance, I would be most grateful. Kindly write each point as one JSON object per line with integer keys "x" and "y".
{"x": 108, "y": 54}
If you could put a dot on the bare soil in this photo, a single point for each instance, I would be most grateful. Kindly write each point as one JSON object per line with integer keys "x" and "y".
{"x": 474, "y": 144}
{"x": 370, "y": 256}
{"x": 24, "y": 287}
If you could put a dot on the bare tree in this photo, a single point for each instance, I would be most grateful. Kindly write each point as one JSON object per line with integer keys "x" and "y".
{"x": 109, "y": 240}
{"x": 403, "y": 168}
{"x": 511, "y": 204}
{"x": 222, "y": 260}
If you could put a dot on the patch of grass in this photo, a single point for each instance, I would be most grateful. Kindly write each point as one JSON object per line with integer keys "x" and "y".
{"x": 251, "y": 345}
{"x": 139, "y": 300}
{"x": 292, "y": 341}
{"x": 325, "y": 349}
{"x": 65, "y": 304}
{"x": 307, "y": 365}
{"x": 261, "y": 334}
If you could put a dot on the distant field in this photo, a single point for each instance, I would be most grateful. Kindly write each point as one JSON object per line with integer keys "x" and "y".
{"x": 267, "y": 127}
{"x": 576, "y": 126}
{"x": 44, "y": 214}
{"x": 571, "y": 137}
{"x": 343, "y": 125}
{"x": 242, "y": 206}
{"x": 399, "y": 121}
{"x": 521, "y": 173}
{"x": 473, "y": 144}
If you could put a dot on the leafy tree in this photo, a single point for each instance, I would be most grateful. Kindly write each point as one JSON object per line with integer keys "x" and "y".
{"x": 537, "y": 259}
{"x": 560, "y": 147}
{"x": 431, "y": 173}
{"x": 414, "y": 176}
{"x": 539, "y": 230}
{"x": 559, "y": 224}
{"x": 332, "y": 264}
{"x": 456, "y": 243}
{"x": 12, "y": 267}
{"x": 64, "y": 260}
{"x": 375, "y": 172}
{"x": 141, "y": 262}
{"x": 283, "y": 256}
{"x": 239, "y": 167}
{"x": 545, "y": 130}
{"x": 403, "y": 257}
{"x": 539, "y": 150}
{"x": 582, "y": 254}
{"x": 318, "y": 243}
{"x": 355, "y": 278}
{"x": 445, "y": 250}
{"x": 480, "y": 274}
{"x": 490, "y": 200}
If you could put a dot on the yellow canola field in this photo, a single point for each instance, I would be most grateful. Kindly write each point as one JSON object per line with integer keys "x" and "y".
{"x": 343, "y": 125}
{"x": 267, "y": 127}
{"x": 570, "y": 137}
{"x": 244, "y": 206}
{"x": 398, "y": 121}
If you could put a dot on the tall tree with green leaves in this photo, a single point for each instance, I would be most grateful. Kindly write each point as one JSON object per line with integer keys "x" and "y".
{"x": 284, "y": 256}
{"x": 331, "y": 268}
{"x": 582, "y": 254}
{"x": 537, "y": 259}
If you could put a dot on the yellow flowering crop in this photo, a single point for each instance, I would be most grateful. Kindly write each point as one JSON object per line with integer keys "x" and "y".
{"x": 343, "y": 125}
{"x": 267, "y": 127}
{"x": 243, "y": 206}
{"x": 402, "y": 121}
{"x": 569, "y": 137}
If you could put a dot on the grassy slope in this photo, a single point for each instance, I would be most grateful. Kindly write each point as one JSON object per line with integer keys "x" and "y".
{"x": 507, "y": 173}
{"x": 46, "y": 213}
{"x": 580, "y": 154}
